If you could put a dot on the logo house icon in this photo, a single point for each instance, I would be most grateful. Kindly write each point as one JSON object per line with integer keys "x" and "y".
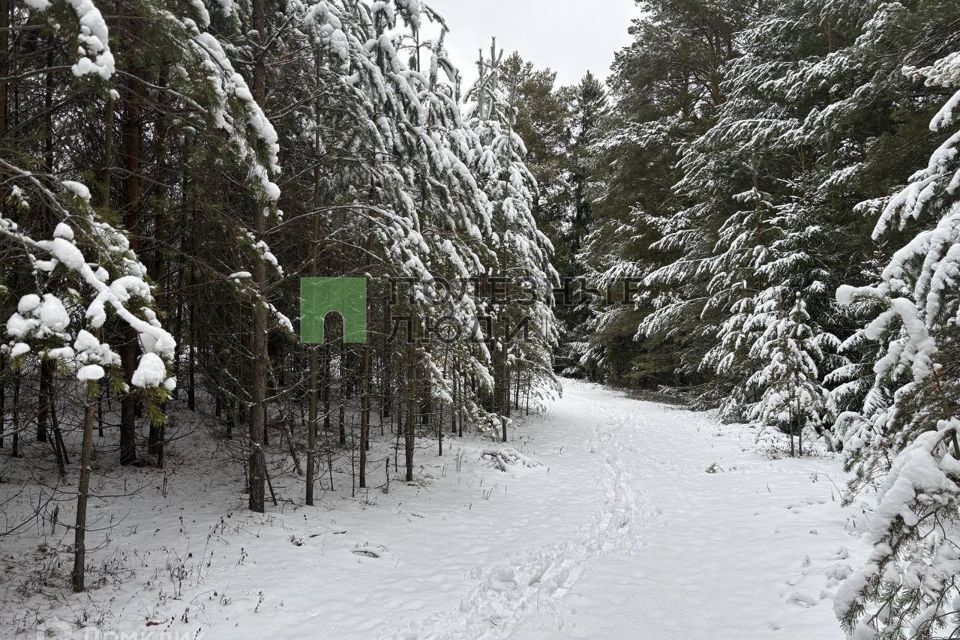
{"x": 321, "y": 296}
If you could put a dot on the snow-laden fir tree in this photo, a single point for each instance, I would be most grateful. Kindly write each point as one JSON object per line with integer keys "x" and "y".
{"x": 752, "y": 223}
{"x": 814, "y": 106}
{"x": 792, "y": 397}
{"x": 666, "y": 89}
{"x": 523, "y": 252}
{"x": 907, "y": 430}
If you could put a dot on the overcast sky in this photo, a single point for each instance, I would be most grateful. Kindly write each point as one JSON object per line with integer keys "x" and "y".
{"x": 569, "y": 36}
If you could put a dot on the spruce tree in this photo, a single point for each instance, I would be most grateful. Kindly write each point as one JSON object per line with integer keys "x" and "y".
{"x": 792, "y": 397}
{"x": 908, "y": 586}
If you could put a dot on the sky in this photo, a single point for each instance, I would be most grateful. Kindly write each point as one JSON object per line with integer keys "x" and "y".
{"x": 569, "y": 36}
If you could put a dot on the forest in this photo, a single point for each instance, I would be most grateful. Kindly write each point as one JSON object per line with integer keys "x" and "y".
{"x": 755, "y": 215}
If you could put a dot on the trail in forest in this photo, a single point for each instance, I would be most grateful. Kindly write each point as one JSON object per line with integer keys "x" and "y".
{"x": 641, "y": 521}
{"x": 692, "y": 534}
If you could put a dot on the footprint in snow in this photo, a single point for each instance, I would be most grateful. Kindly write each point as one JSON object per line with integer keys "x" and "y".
{"x": 839, "y": 572}
{"x": 802, "y": 599}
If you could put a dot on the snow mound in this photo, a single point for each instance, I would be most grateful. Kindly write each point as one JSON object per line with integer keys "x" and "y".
{"x": 503, "y": 459}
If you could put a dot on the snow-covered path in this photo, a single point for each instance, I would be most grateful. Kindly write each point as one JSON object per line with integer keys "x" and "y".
{"x": 622, "y": 534}
{"x": 753, "y": 550}
{"x": 630, "y": 536}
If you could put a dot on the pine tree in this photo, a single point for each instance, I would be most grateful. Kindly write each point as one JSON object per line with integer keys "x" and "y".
{"x": 666, "y": 89}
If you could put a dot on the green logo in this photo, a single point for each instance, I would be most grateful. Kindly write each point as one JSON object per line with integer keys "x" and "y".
{"x": 346, "y": 296}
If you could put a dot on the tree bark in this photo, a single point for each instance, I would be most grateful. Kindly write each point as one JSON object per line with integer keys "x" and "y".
{"x": 83, "y": 490}
{"x": 257, "y": 462}
{"x": 312, "y": 426}
{"x": 411, "y": 422}
{"x": 4, "y": 67}
{"x": 4, "y": 70}
{"x": 155, "y": 438}
{"x": 364, "y": 416}
{"x": 133, "y": 197}
{"x": 325, "y": 379}
{"x": 3, "y": 398}
{"x": 59, "y": 448}
{"x": 504, "y": 387}
{"x": 106, "y": 176}
{"x": 15, "y": 446}
{"x": 342, "y": 394}
{"x": 43, "y": 401}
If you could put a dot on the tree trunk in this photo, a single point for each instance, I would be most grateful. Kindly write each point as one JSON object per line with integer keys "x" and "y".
{"x": 387, "y": 365}
{"x": 133, "y": 196}
{"x": 59, "y": 448}
{"x": 799, "y": 430}
{"x": 504, "y": 388}
{"x": 83, "y": 490}
{"x": 4, "y": 70}
{"x": 155, "y": 438}
{"x": 106, "y": 172}
{"x": 46, "y": 367}
{"x": 4, "y": 67}
{"x": 364, "y": 415}
{"x": 257, "y": 461}
{"x": 3, "y": 398}
{"x": 325, "y": 379}
{"x": 411, "y": 422}
{"x": 505, "y": 402}
{"x": 456, "y": 399}
{"x": 15, "y": 447}
{"x": 312, "y": 426}
{"x": 342, "y": 395}
{"x": 516, "y": 390}
{"x": 43, "y": 401}
{"x": 192, "y": 347}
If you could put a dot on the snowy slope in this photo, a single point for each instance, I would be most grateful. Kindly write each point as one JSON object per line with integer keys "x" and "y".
{"x": 622, "y": 533}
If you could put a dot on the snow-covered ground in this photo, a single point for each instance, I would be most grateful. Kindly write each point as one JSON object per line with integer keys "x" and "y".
{"x": 644, "y": 521}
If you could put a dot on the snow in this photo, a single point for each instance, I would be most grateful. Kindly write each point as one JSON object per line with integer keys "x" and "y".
{"x": 53, "y": 314}
{"x": 65, "y": 354}
{"x": 78, "y": 189}
{"x": 18, "y": 326}
{"x": 202, "y": 12}
{"x": 28, "y": 303}
{"x": 90, "y": 372}
{"x": 19, "y": 349}
{"x": 93, "y": 39}
{"x": 86, "y": 341}
{"x": 64, "y": 231}
{"x": 40, "y": 319}
{"x": 150, "y": 373}
{"x": 90, "y": 351}
{"x": 67, "y": 253}
{"x": 226, "y": 82}
{"x": 609, "y": 518}
{"x": 50, "y": 316}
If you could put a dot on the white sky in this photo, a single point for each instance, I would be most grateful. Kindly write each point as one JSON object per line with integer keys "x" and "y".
{"x": 569, "y": 36}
